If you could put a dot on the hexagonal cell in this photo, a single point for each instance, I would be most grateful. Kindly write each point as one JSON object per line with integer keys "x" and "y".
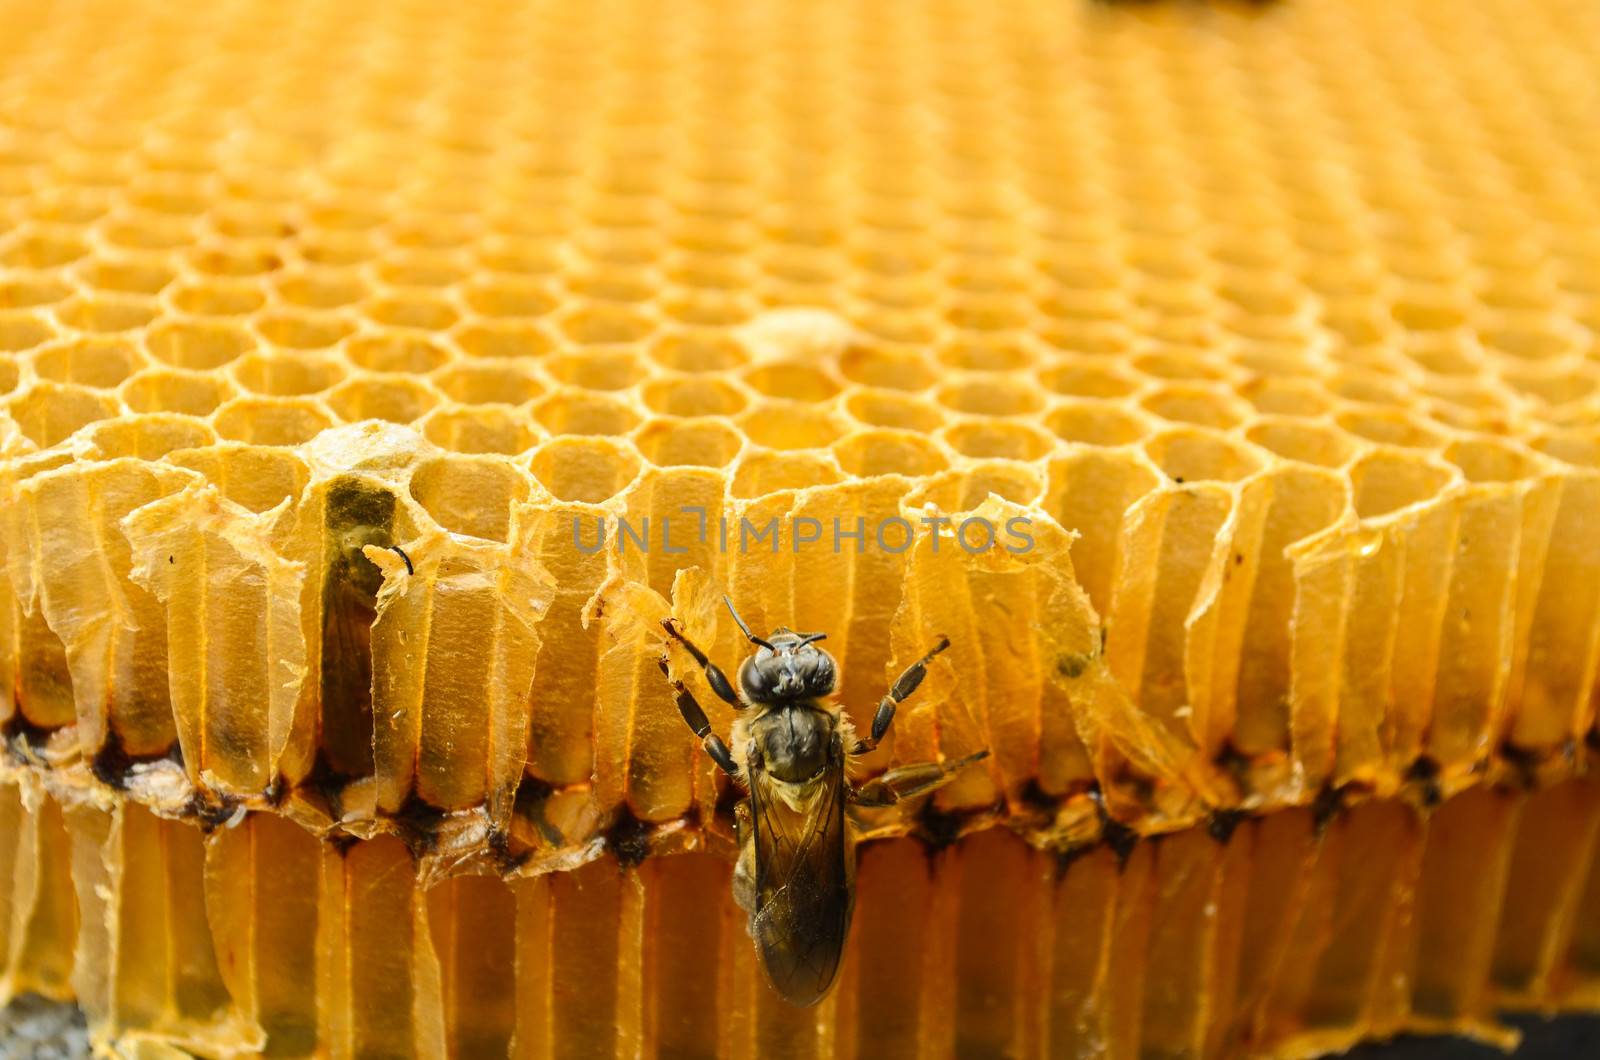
{"x": 149, "y": 232}
{"x": 1387, "y": 479}
{"x": 470, "y": 495}
{"x": 1288, "y": 397}
{"x": 894, "y": 368}
{"x": 615, "y": 285}
{"x": 991, "y": 397}
{"x": 337, "y": 248}
{"x": 395, "y": 398}
{"x": 488, "y": 384}
{"x": 126, "y": 277}
{"x": 991, "y": 353}
{"x": 149, "y": 437}
{"x": 1535, "y": 340}
{"x": 1098, "y": 338}
{"x": 1580, "y": 448}
{"x": 503, "y": 339}
{"x": 596, "y": 325}
{"x": 1492, "y": 460}
{"x": 256, "y": 477}
{"x": 22, "y": 330}
{"x": 508, "y": 298}
{"x": 389, "y": 352}
{"x": 760, "y": 472}
{"x": 1390, "y": 427}
{"x": 1428, "y": 310}
{"x": 698, "y": 308}
{"x": 1010, "y": 441}
{"x": 20, "y": 292}
{"x": 39, "y": 250}
{"x": 988, "y": 314}
{"x": 235, "y": 260}
{"x": 1449, "y": 354}
{"x": 481, "y": 429}
{"x": 1358, "y": 325}
{"x": 791, "y": 380}
{"x": 598, "y": 369}
{"x": 412, "y": 311}
{"x": 48, "y": 413}
{"x": 302, "y": 331}
{"x": 319, "y": 289}
{"x": 581, "y": 412}
{"x": 790, "y": 425}
{"x": 1096, "y": 423}
{"x": 286, "y": 374}
{"x": 271, "y": 421}
{"x": 1017, "y": 483}
{"x": 904, "y": 328}
{"x": 242, "y": 220}
{"x": 699, "y": 351}
{"x": 1181, "y": 365}
{"x": 95, "y": 361}
{"x": 105, "y": 313}
{"x": 689, "y": 443}
{"x": 887, "y": 408}
{"x": 1193, "y": 454}
{"x": 174, "y": 390}
{"x": 1195, "y": 403}
{"x": 694, "y": 396}
{"x": 710, "y": 273}
{"x": 586, "y": 470}
{"x": 419, "y": 270}
{"x": 1369, "y": 388}
{"x": 218, "y": 298}
{"x": 1311, "y": 443}
{"x": 1551, "y": 385}
{"x": 884, "y": 451}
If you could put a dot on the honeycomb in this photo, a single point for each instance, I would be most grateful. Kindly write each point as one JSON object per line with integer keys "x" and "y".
{"x": 374, "y": 378}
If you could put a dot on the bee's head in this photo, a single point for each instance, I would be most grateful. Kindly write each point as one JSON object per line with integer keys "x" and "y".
{"x": 786, "y": 667}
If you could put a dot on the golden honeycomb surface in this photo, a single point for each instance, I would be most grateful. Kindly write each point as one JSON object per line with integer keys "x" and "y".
{"x": 332, "y": 335}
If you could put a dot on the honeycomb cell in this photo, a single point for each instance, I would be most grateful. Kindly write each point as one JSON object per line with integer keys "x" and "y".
{"x": 257, "y": 477}
{"x": 891, "y": 368}
{"x": 411, "y": 311}
{"x": 1095, "y": 424}
{"x": 470, "y": 496}
{"x": 791, "y": 425}
{"x": 217, "y": 298}
{"x": 1011, "y": 441}
{"x": 761, "y": 473}
{"x": 21, "y": 331}
{"x": 506, "y": 299}
{"x": 598, "y": 369}
{"x": 48, "y": 413}
{"x": 148, "y": 437}
{"x": 573, "y": 411}
{"x": 889, "y": 452}
{"x": 1388, "y": 479}
{"x": 105, "y": 313}
{"x": 318, "y": 290}
{"x": 126, "y": 277}
{"x": 689, "y": 443}
{"x": 604, "y": 325}
{"x": 396, "y": 398}
{"x": 20, "y": 292}
{"x": 691, "y": 396}
{"x": 1197, "y": 455}
{"x": 1194, "y": 404}
{"x": 488, "y": 429}
{"x": 198, "y": 345}
{"x": 396, "y": 353}
{"x": 1310, "y": 443}
{"x": 990, "y": 397}
{"x": 299, "y": 331}
{"x": 503, "y": 339}
{"x": 269, "y": 421}
{"x": 172, "y": 390}
{"x": 95, "y": 362}
{"x": 286, "y": 375}
{"x": 586, "y": 470}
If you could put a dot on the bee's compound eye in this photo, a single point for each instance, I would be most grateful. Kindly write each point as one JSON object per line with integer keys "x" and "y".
{"x": 752, "y": 679}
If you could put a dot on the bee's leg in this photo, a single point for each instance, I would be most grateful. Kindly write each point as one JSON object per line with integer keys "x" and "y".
{"x": 908, "y": 782}
{"x": 714, "y": 676}
{"x": 902, "y": 688}
{"x": 695, "y": 715}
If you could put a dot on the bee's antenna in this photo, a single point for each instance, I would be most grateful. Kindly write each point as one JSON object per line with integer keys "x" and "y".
{"x": 811, "y": 638}
{"x": 751, "y": 637}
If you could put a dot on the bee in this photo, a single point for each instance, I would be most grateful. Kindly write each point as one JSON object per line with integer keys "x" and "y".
{"x": 795, "y": 877}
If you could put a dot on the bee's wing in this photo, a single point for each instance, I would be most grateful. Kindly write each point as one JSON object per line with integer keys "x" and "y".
{"x": 346, "y": 679}
{"x": 803, "y": 886}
